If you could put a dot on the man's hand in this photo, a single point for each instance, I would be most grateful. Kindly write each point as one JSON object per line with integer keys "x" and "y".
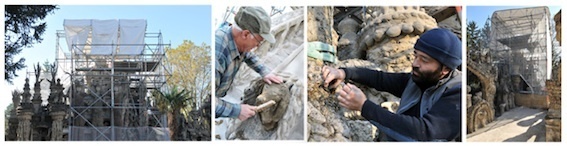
{"x": 332, "y": 76}
{"x": 351, "y": 97}
{"x": 246, "y": 111}
{"x": 271, "y": 78}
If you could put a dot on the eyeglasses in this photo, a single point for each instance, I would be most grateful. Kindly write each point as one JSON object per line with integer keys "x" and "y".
{"x": 259, "y": 42}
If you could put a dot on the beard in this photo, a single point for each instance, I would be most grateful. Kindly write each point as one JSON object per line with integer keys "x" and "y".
{"x": 426, "y": 79}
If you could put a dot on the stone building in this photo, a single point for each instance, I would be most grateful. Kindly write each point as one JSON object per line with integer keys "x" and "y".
{"x": 553, "y": 117}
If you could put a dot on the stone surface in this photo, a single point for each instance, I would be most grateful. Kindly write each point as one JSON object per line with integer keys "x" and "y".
{"x": 482, "y": 109}
{"x": 260, "y": 93}
{"x": 390, "y": 33}
{"x": 324, "y": 112}
{"x": 553, "y": 117}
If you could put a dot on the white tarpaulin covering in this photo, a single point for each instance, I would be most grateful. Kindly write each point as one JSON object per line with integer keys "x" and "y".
{"x": 105, "y": 33}
{"x": 132, "y": 31}
{"x": 77, "y": 32}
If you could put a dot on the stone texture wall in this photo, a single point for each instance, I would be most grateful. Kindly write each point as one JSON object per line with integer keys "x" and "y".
{"x": 532, "y": 100}
{"x": 553, "y": 117}
{"x": 323, "y": 120}
{"x": 390, "y": 33}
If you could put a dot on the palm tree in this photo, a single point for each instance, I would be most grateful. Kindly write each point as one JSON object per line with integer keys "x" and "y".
{"x": 172, "y": 102}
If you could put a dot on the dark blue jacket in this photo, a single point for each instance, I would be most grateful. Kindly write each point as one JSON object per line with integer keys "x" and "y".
{"x": 437, "y": 116}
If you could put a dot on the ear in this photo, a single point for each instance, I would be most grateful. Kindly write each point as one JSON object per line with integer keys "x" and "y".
{"x": 446, "y": 70}
{"x": 245, "y": 33}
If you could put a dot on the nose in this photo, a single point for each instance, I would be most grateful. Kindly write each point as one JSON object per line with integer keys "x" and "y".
{"x": 415, "y": 63}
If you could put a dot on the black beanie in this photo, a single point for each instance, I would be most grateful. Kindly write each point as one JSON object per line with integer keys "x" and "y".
{"x": 442, "y": 45}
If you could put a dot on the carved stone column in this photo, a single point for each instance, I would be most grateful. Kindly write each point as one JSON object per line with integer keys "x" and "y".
{"x": 13, "y": 119}
{"x": 36, "y": 97}
{"x": 25, "y": 115}
{"x": 58, "y": 115}
{"x": 24, "y": 125}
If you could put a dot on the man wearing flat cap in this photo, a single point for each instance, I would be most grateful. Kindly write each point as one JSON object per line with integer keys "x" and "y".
{"x": 233, "y": 46}
{"x": 430, "y": 105}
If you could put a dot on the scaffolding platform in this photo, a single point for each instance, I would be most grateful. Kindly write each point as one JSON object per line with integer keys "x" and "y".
{"x": 110, "y": 66}
{"x": 126, "y": 67}
{"x": 521, "y": 39}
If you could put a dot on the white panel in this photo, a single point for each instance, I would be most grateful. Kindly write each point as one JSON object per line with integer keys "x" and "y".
{"x": 105, "y": 33}
{"x": 76, "y": 32}
{"x": 132, "y": 32}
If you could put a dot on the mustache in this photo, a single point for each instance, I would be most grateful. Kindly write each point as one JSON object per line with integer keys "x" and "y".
{"x": 416, "y": 70}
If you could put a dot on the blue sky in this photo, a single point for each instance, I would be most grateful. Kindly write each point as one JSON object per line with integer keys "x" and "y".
{"x": 176, "y": 23}
{"x": 479, "y": 14}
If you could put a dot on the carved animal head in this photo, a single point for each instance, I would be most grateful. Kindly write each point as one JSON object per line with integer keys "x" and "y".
{"x": 281, "y": 94}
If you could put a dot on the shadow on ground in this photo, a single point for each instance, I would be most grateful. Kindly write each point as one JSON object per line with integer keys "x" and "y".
{"x": 536, "y": 126}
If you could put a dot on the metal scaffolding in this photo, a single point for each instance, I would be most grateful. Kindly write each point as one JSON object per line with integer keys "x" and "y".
{"x": 521, "y": 42}
{"x": 109, "y": 94}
